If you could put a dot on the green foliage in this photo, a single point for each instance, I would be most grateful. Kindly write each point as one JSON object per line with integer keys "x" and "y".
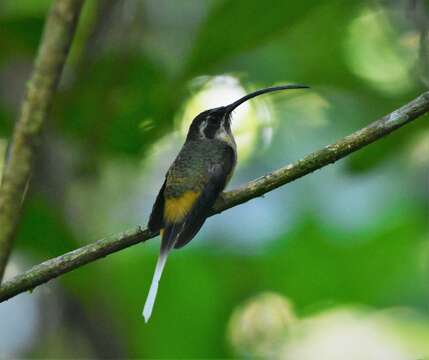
{"x": 113, "y": 126}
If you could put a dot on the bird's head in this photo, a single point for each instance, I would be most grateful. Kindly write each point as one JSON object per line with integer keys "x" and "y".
{"x": 216, "y": 123}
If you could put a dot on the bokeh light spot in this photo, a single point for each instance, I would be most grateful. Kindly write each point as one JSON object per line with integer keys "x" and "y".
{"x": 252, "y": 121}
{"x": 376, "y": 54}
{"x": 259, "y": 326}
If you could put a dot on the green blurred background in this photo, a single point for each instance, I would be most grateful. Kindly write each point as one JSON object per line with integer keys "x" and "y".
{"x": 333, "y": 266}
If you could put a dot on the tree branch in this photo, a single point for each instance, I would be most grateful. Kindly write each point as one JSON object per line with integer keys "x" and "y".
{"x": 52, "y": 268}
{"x": 54, "y": 46}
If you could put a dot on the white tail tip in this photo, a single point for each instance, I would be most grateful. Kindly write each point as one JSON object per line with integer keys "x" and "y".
{"x": 150, "y": 300}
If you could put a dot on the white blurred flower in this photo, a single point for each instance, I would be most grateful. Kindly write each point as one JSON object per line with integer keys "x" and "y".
{"x": 349, "y": 334}
{"x": 258, "y": 327}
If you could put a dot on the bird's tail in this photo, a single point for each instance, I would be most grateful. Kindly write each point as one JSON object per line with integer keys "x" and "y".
{"x": 150, "y": 300}
{"x": 169, "y": 238}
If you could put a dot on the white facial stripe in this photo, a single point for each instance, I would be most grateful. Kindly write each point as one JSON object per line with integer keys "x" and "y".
{"x": 203, "y": 127}
{"x": 224, "y": 135}
{"x": 221, "y": 133}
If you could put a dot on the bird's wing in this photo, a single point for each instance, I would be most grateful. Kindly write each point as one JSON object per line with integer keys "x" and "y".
{"x": 198, "y": 213}
{"x": 191, "y": 192}
{"x": 156, "y": 219}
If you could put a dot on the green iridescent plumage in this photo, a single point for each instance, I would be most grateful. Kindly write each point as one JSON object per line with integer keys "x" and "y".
{"x": 196, "y": 162}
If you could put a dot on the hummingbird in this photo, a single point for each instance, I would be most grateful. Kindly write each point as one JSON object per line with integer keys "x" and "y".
{"x": 194, "y": 181}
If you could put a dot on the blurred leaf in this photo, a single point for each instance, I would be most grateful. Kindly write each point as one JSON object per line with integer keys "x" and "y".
{"x": 5, "y": 123}
{"x": 42, "y": 231}
{"x": 19, "y": 37}
{"x": 306, "y": 51}
{"x": 106, "y": 107}
{"x": 230, "y": 29}
{"x": 382, "y": 270}
{"x": 24, "y": 8}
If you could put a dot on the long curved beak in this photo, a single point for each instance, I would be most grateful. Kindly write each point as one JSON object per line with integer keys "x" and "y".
{"x": 232, "y": 106}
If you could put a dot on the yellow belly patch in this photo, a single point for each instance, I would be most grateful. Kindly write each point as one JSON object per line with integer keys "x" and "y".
{"x": 175, "y": 209}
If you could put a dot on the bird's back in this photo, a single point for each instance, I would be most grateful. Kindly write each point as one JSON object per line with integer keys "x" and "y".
{"x": 196, "y": 164}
